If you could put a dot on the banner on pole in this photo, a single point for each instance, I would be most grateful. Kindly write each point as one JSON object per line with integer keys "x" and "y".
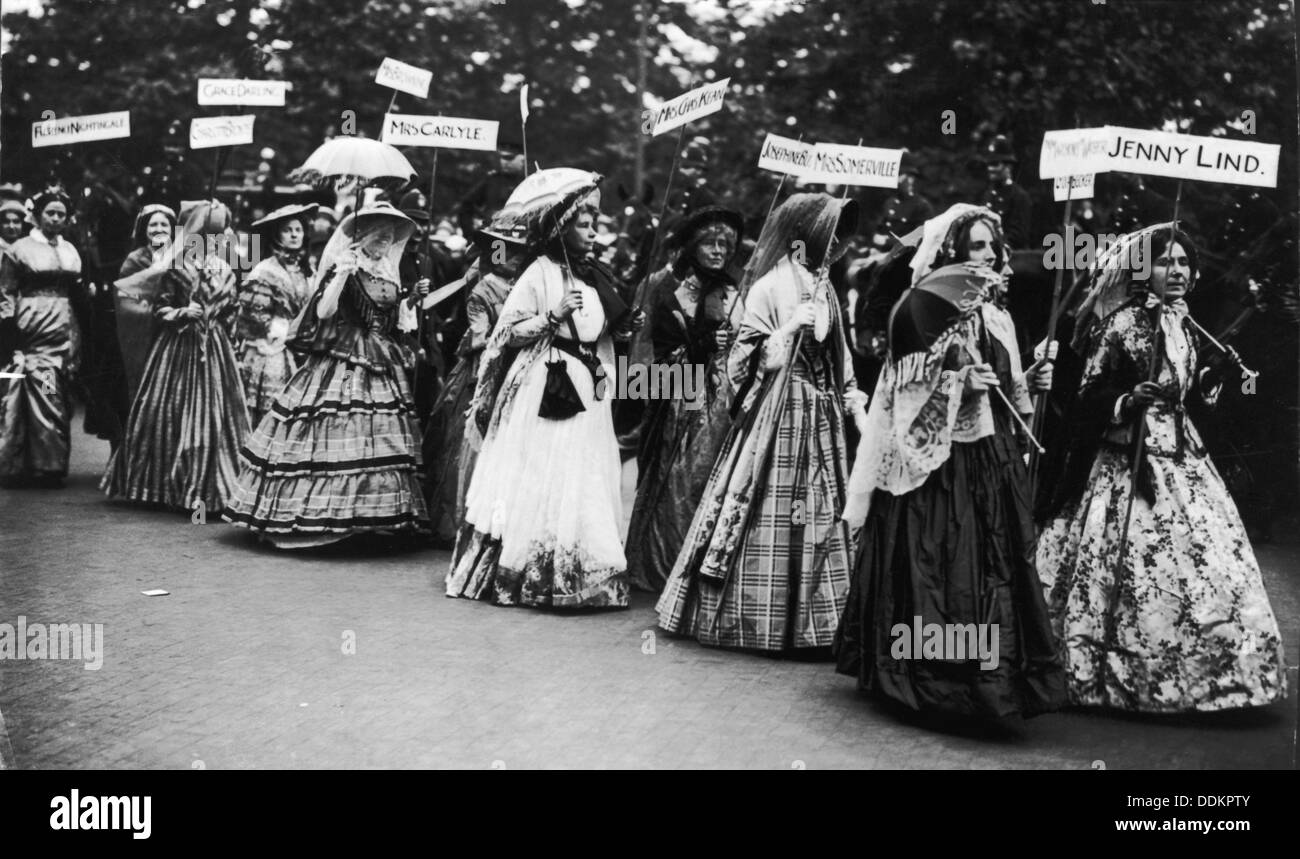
{"x": 838, "y": 164}
{"x": 783, "y": 155}
{"x": 1074, "y": 187}
{"x": 443, "y": 132}
{"x": 209, "y": 131}
{"x": 699, "y": 102}
{"x": 82, "y": 129}
{"x": 1187, "y": 156}
{"x": 401, "y": 76}
{"x": 1074, "y": 152}
{"x": 218, "y": 91}
{"x": 523, "y": 103}
{"x": 1079, "y": 151}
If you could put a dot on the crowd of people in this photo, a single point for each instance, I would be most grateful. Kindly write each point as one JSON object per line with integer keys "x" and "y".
{"x": 818, "y": 490}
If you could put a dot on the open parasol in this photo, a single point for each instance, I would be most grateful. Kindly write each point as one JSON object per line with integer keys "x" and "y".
{"x": 543, "y": 203}
{"x": 925, "y": 312}
{"x": 347, "y": 160}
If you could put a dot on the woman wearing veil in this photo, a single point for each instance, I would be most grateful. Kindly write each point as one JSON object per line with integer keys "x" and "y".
{"x": 949, "y": 536}
{"x": 274, "y": 293}
{"x": 695, "y": 312}
{"x": 765, "y": 564}
{"x": 188, "y": 419}
{"x": 451, "y": 443}
{"x": 338, "y": 454}
{"x": 1182, "y": 623}
{"x": 542, "y": 516}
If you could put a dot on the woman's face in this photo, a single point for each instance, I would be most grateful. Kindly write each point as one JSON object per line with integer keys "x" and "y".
{"x": 158, "y": 230}
{"x": 1171, "y": 274}
{"x": 581, "y": 234}
{"x": 980, "y": 248}
{"x": 713, "y": 250}
{"x": 11, "y": 227}
{"x": 291, "y": 236}
{"x": 54, "y": 217}
{"x": 377, "y": 243}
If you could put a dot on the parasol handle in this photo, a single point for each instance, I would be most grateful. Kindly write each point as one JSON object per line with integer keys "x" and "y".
{"x": 1014, "y": 414}
{"x": 1216, "y": 344}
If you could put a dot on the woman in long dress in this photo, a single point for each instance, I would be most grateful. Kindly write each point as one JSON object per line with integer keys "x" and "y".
{"x": 39, "y": 275}
{"x": 695, "y": 312}
{"x": 451, "y": 442}
{"x": 765, "y": 564}
{"x": 273, "y": 295}
{"x": 131, "y": 323}
{"x": 1181, "y": 622}
{"x": 188, "y": 420}
{"x": 338, "y": 454}
{"x": 948, "y": 542}
{"x": 543, "y": 512}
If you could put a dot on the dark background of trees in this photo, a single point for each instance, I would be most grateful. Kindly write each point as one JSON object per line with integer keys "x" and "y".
{"x": 884, "y": 71}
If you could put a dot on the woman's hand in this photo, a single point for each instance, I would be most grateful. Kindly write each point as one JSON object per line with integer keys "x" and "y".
{"x": 191, "y": 311}
{"x": 8, "y": 307}
{"x": 635, "y": 321}
{"x": 804, "y": 316}
{"x": 420, "y": 291}
{"x": 722, "y": 338}
{"x": 571, "y": 302}
{"x": 981, "y": 377}
{"x": 1039, "y": 376}
{"x": 1143, "y": 395}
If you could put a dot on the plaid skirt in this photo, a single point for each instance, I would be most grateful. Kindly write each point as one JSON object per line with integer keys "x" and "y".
{"x": 789, "y": 577}
{"x": 336, "y": 455}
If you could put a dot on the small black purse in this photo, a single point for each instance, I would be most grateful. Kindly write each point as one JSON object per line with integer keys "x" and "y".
{"x": 560, "y": 399}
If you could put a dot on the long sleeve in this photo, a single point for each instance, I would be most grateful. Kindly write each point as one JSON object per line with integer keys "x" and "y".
{"x": 480, "y": 325}
{"x": 174, "y": 297}
{"x": 523, "y": 311}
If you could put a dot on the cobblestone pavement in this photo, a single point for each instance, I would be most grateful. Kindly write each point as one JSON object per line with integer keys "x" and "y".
{"x": 244, "y": 665}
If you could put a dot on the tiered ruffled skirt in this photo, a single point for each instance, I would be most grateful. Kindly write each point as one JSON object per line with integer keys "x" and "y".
{"x": 337, "y": 455}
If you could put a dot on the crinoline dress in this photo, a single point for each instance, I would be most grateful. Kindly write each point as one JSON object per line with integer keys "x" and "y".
{"x": 338, "y": 453}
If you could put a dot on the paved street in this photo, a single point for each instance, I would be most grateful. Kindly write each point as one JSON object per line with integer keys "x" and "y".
{"x": 243, "y": 665}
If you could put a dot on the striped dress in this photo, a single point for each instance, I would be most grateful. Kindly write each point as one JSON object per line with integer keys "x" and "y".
{"x": 339, "y": 452}
{"x": 274, "y": 293}
{"x": 188, "y": 418}
{"x": 766, "y": 562}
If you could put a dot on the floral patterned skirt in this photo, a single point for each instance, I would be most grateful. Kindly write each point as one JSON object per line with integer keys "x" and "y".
{"x": 543, "y": 511}
{"x": 1190, "y": 626}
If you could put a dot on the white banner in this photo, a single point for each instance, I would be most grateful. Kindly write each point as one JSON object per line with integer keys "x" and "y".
{"x": 1074, "y": 187}
{"x": 837, "y": 164}
{"x": 444, "y": 132}
{"x": 783, "y": 155}
{"x": 398, "y": 75}
{"x": 1074, "y": 152}
{"x": 253, "y": 93}
{"x": 1186, "y": 156}
{"x": 82, "y": 129}
{"x": 209, "y": 131}
{"x": 689, "y": 106}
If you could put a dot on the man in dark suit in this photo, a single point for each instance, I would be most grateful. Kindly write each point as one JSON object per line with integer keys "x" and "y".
{"x": 487, "y": 197}
{"x": 1004, "y": 196}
